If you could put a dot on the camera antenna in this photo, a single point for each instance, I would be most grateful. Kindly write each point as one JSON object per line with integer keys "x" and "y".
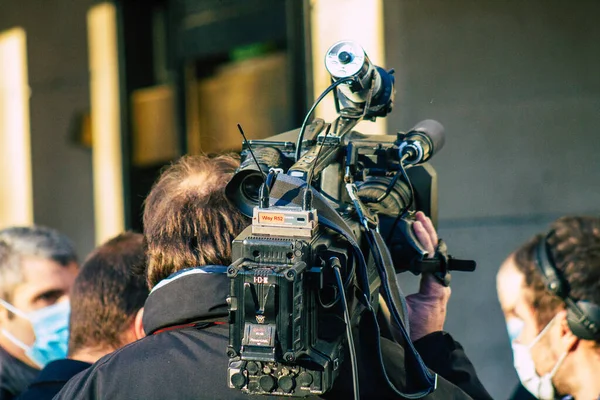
{"x": 308, "y": 195}
{"x": 247, "y": 143}
{"x": 263, "y": 192}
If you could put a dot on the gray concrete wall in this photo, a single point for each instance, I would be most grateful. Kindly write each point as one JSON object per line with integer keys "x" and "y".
{"x": 517, "y": 86}
{"x": 58, "y": 77}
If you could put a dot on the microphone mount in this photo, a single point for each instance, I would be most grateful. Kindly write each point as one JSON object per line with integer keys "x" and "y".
{"x": 421, "y": 142}
{"x": 411, "y": 152}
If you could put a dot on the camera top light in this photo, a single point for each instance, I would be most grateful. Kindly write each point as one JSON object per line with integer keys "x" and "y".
{"x": 344, "y": 59}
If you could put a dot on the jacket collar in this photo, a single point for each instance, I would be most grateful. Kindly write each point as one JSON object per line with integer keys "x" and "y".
{"x": 190, "y": 295}
{"x": 15, "y": 375}
{"x": 61, "y": 370}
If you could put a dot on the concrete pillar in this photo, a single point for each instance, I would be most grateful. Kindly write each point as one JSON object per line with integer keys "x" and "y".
{"x": 16, "y": 197}
{"x": 109, "y": 208}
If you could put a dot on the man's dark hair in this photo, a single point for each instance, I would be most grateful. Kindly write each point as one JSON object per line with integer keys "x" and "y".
{"x": 106, "y": 294}
{"x": 188, "y": 220}
{"x": 575, "y": 249}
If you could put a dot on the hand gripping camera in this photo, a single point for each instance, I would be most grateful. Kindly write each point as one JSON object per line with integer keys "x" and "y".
{"x": 314, "y": 261}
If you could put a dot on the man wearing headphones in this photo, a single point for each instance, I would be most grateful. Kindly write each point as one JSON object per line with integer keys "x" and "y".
{"x": 549, "y": 290}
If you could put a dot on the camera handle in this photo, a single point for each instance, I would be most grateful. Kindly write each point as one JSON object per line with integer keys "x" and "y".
{"x": 440, "y": 264}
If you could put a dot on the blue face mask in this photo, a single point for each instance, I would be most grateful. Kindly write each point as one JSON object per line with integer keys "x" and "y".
{"x": 514, "y": 326}
{"x": 51, "y": 328}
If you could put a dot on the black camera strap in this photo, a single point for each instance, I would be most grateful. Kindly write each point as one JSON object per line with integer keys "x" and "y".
{"x": 392, "y": 297}
{"x": 289, "y": 190}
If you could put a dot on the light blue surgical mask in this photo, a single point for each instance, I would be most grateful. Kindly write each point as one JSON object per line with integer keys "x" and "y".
{"x": 51, "y": 328}
{"x": 514, "y": 326}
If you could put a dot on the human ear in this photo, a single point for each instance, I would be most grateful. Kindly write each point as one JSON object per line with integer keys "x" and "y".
{"x": 138, "y": 328}
{"x": 567, "y": 339}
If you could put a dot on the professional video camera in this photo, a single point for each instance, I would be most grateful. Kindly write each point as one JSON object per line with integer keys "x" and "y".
{"x": 314, "y": 261}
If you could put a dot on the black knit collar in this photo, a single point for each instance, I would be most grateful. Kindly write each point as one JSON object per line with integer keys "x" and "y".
{"x": 195, "y": 294}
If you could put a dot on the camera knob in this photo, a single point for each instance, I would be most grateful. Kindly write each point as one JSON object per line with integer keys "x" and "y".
{"x": 238, "y": 380}
{"x": 305, "y": 379}
{"x": 287, "y": 383}
{"x": 267, "y": 383}
{"x": 252, "y": 367}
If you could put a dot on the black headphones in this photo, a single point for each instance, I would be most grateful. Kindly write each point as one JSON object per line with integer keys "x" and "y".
{"x": 583, "y": 316}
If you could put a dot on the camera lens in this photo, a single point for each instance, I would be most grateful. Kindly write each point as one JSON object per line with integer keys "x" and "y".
{"x": 250, "y": 187}
{"x": 375, "y": 186}
{"x": 345, "y": 57}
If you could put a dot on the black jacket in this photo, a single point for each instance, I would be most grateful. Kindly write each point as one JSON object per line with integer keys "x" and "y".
{"x": 189, "y": 362}
{"x": 52, "y": 378}
{"x": 15, "y": 375}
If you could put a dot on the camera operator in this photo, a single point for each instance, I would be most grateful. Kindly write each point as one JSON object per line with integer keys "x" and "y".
{"x": 549, "y": 290}
{"x": 189, "y": 227}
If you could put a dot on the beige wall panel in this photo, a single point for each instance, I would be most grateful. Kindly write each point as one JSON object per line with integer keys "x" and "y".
{"x": 106, "y": 128}
{"x": 335, "y": 20}
{"x": 16, "y": 198}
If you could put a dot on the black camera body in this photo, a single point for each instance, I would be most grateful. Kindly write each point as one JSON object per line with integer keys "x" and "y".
{"x": 310, "y": 265}
{"x": 286, "y": 328}
{"x": 292, "y": 342}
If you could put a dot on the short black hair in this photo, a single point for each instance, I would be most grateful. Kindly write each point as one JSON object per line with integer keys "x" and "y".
{"x": 107, "y": 294}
